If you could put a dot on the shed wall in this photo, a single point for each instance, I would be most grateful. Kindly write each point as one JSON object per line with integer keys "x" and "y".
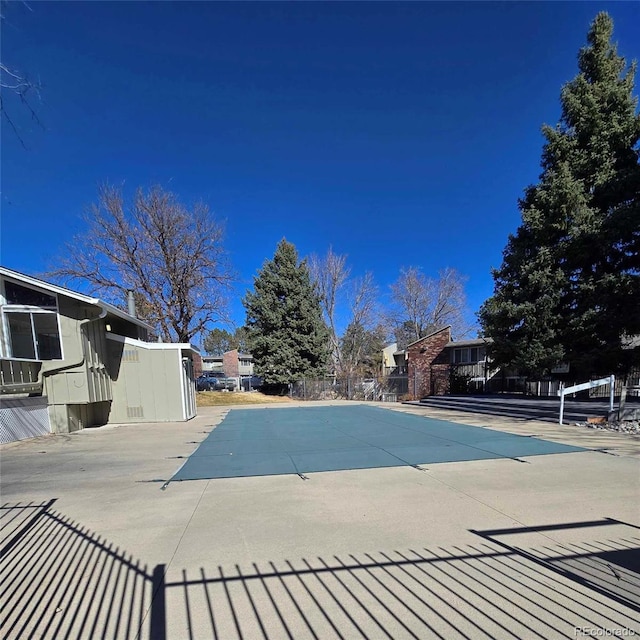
{"x": 147, "y": 385}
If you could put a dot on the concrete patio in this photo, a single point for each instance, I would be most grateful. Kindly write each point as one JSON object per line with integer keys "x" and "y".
{"x": 92, "y": 546}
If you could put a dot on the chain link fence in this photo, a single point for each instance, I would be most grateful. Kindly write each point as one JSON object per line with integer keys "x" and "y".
{"x": 395, "y": 388}
{"x": 383, "y": 388}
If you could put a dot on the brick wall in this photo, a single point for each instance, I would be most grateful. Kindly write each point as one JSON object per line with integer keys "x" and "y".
{"x": 230, "y": 363}
{"x": 197, "y": 364}
{"x": 427, "y": 367}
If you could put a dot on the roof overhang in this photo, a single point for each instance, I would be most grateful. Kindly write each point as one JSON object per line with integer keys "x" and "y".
{"x": 62, "y": 291}
{"x": 154, "y": 346}
{"x": 473, "y": 342}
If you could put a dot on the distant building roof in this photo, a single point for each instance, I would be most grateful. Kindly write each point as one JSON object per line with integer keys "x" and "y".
{"x": 243, "y": 356}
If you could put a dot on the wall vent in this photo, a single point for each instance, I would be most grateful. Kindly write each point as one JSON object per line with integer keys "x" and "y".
{"x": 135, "y": 412}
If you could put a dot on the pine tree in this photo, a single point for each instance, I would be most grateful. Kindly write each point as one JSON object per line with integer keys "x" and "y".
{"x": 286, "y": 332}
{"x": 569, "y": 285}
{"x": 217, "y": 341}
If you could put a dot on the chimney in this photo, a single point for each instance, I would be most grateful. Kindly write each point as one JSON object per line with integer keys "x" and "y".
{"x": 131, "y": 303}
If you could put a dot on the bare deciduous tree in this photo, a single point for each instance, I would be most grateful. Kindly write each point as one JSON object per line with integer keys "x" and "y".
{"x": 426, "y": 304}
{"x": 170, "y": 256}
{"x": 363, "y": 338}
{"x": 18, "y": 85}
{"x": 450, "y": 303}
{"x": 364, "y": 299}
{"x": 412, "y": 293}
{"x": 21, "y": 86}
{"x": 329, "y": 275}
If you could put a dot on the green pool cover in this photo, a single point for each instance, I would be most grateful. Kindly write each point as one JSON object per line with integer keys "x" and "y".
{"x": 301, "y": 440}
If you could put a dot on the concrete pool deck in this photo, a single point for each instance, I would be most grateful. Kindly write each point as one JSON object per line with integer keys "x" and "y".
{"x": 489, "y": 548}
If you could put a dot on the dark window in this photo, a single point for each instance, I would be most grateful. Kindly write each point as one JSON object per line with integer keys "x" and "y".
{"x": 17, "y": 294}
{"x": 466, "y": 355}
{"x": 21, "y": 334}
{"x": 34, "y": 336}
{"x": 47, "y": 337}
{"x": 461, "y": 356}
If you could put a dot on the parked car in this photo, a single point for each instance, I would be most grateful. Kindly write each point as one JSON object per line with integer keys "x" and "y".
{"x": 251, "y": 383}
{"x": 215, "y": 381}
{"x": 205, "y": 383}
{"x": 226, "y": 384}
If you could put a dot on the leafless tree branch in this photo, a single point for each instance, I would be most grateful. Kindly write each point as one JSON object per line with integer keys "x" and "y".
{"x": 364, "y": 300}
{"x": 358, "y": 297}
{"x": 24, "y": 88}
{"x": 329, "y": 275}
{"x": 16, "y": 84}
{"x": 170, "y": 256}
{"x": 429, "y": 304}
{"x": 364, "y": 334}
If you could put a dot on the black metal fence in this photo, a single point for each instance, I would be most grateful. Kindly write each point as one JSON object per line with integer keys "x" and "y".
{"x": 551, "y": 387}
{"x": 394, "y": 388}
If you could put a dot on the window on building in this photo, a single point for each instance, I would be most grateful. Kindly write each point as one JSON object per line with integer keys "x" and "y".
{"x": 465, "y": 355}
{"x": 31, "y": 321}
{"x": 16, "y": 294}
{"x": 21, "y": 335}
{"x": 45, "y": 328}
{"x": 460, "y": 356}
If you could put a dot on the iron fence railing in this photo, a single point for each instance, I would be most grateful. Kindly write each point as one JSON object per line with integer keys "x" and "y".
{"x": 551, "y": 387}
{"x": 459, "y": 379}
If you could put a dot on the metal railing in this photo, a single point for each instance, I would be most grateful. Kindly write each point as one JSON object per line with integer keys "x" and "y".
{"x": 471, "y": 369}
{"x": 20, "y": 376}
{"x": 609, "y": 382}
{"x": 460, "y": 379}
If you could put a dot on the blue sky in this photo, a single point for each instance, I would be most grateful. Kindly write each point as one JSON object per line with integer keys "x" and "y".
{"x": 401, "y": 134}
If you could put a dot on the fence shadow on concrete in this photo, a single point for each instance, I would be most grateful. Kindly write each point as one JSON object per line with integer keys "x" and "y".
{"x": 60, "y": 580}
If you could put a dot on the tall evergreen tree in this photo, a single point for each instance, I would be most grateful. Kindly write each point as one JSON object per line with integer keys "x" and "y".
{"x": 286, "y": 332}
{"x": 239, "y": 340}
{"x": 217, "y": 341}
{"x": 569, "y": 285}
